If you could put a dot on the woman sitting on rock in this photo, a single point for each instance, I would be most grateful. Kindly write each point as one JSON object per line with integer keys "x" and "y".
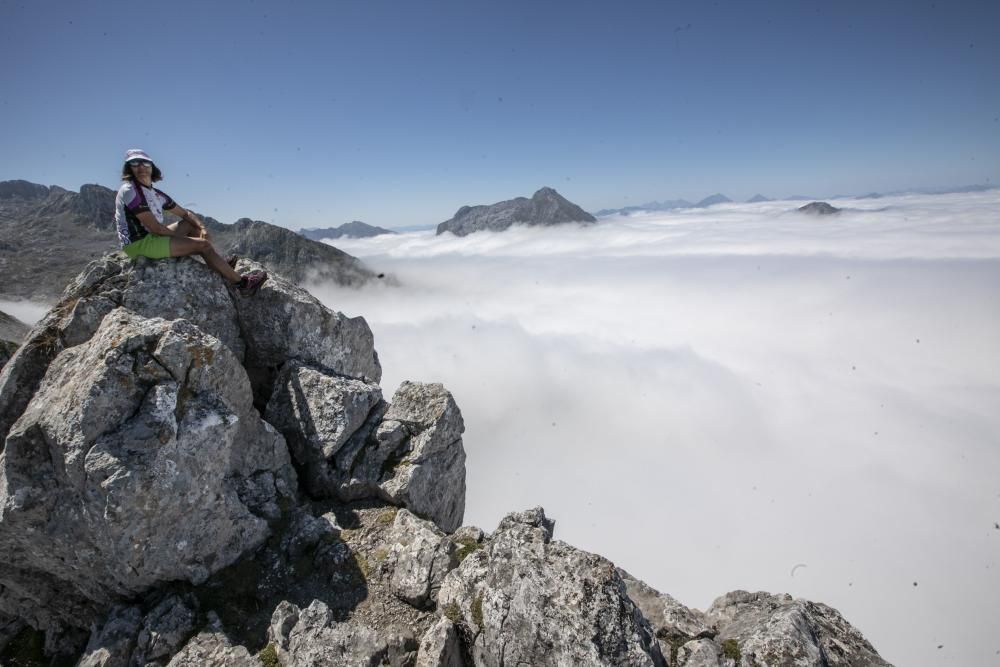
{"x": 139, "y": 211}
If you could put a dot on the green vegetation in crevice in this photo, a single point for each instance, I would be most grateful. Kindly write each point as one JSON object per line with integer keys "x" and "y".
{"x": 452, "y": 612}
{"x": 467, "y": 546}
{"x": 731, "y": 650}
{"x": 269, "y": 656}
{"x": 477, "y": 610}
{"x": 386, "y": 517}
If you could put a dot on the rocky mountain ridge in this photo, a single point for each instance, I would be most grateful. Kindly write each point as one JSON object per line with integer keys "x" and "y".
{"x": 48, "y": 234}
{"x": 188, "y": 477}
{"x": 545, "y": 208}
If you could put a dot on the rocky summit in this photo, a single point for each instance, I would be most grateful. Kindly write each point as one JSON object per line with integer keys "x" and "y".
{"x": 193, "y": 478}
{"x": 546, "y": 207}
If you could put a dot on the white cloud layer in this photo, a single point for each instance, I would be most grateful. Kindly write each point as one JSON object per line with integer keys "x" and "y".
{"x": 28, "y": 312}
{"x": 710, "y": 397}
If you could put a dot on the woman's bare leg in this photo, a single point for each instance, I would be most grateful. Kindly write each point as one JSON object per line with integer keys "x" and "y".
{"x": 183, "y": 246}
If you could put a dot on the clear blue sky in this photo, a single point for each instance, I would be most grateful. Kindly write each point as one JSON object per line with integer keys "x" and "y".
{"x": 397, "y": 113}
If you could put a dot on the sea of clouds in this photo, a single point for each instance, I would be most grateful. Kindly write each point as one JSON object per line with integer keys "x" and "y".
{"x": 712, "y": 397}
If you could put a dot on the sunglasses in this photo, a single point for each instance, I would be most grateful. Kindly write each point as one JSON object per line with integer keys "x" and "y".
{"x": 140, "y": 163}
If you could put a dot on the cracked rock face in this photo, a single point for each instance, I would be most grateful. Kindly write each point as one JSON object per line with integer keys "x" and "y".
{"x": 421, "y": 557}
{"x": 529, "y": 599}
{"x": 350, "y": 445}
{"x": 312, "y": 636}
{"x": 129, "y": 467}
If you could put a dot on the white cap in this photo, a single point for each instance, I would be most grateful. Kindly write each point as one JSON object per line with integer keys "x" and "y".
{"x": 136, "y": 154}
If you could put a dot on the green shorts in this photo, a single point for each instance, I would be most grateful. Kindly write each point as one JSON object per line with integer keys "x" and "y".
{"x": 151, "y": 245}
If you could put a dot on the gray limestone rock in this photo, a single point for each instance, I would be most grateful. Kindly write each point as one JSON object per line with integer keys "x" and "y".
{"x": 283, "y": 322}
{"x": 213, "y": 648}
{"x": 312, "y": 636}
{"x": 126, "y": 639}
{"x": 699, "y": 653}
{"x": 546, "y": 207}
{"x": 126, "y": 470}
{"x": 113, "y": 644}
{"x": 280, "y": 323}
{"x": 421, "y": 557}
{"x": 529, "y": 599}
{"x": 440, "y": 646}
{"x": 348, "y": 445}
{"x": 429, "y": 479}
{"x": 164, "y": 631}
{"x": 780, "y": 630}
{"x": 318, "y": 413}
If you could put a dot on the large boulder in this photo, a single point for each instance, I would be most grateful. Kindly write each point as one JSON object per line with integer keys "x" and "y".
{"x": 779, "y": 630}
{"x": 348, "y": 445}
{"x": 545, "y": 208}
{"x": 139, "y": 460}
{"x": 440, "y": 646}
{"x": 421, "y": 556}
{"x": 280, "y": 323}
{"x": 283, "y": 322}
{"x": 318, "y": 413}
{"x": 529, "y": 599}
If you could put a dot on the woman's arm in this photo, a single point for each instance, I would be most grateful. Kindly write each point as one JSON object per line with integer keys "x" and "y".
{"x": 185, "y": 214}
{"x": 148, "y": 221}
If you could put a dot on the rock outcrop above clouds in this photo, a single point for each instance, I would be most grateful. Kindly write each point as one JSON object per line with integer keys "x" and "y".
{"x": 354, "y": 229}
{"x": 188, "y": 477}
{"x": 818, "y": 208}
{"x": 546, "y": 207}
{"x": 48, "y": 234}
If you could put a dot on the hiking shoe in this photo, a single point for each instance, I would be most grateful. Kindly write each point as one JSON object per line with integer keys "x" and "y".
{"x": 251, "y": 282}
{"x": 231, "y": 261}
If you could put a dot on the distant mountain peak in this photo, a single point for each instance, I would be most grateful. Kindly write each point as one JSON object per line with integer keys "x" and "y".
{"x": 546, "y": 207}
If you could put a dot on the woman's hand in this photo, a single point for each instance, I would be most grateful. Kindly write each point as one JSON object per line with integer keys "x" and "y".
{"x": 198, "y": 224}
